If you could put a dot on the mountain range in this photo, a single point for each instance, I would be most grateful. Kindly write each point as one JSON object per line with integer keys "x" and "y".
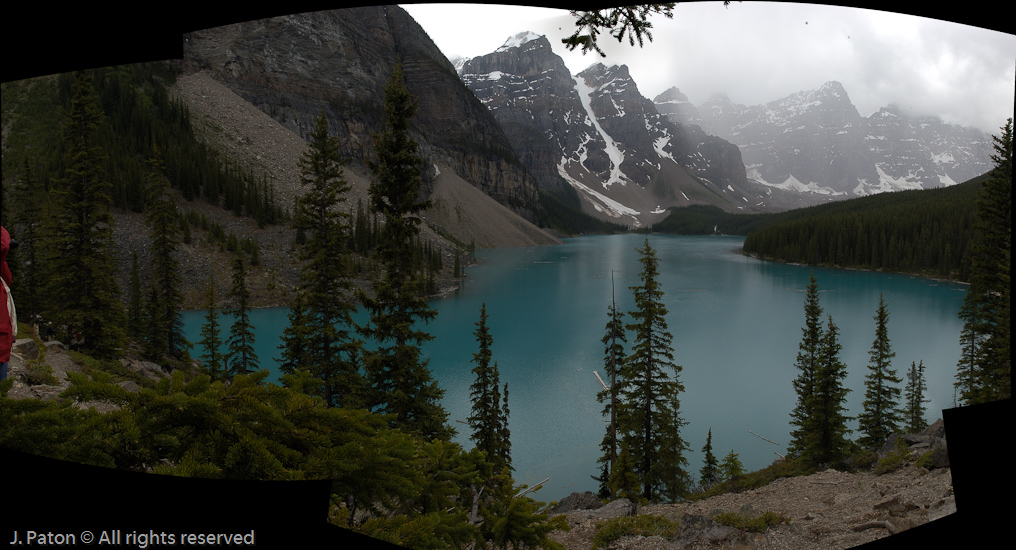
{"x": 519, "y": 127}
{"x": 816, "y": 142}
{"x": 595, "y": 135}
{"x": 629, "y": 159}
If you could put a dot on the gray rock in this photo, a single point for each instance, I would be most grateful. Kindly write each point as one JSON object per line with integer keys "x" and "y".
{"x": 578, "y": 501}
{"x": 621, "y": 507}
{"x": 26, "y": 348}
{"x": 940, "y": 455}
{"x": 702, "y": 530}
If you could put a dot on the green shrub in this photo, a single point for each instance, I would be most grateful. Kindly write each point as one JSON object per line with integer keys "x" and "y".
{"x": 39, "y": 372}
{"x": 925, "y": 461}
{"x": 862, "y": 459}
{"x": 894, "y": 460}
{"x": 756, "y": 479}
{"x": 756, "y": 524}
{"x": 114, "y": 367}
{"x": 631, "y": 526}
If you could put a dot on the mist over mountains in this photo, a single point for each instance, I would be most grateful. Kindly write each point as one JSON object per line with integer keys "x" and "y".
{"x": 629, "y": 159}
{"x": 815, "y": 141}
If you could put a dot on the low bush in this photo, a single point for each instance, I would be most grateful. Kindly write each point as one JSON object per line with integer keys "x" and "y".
{"x": 631, "y": 526}
{"x": 894, "y": 460}
{"x": 754, "y": 524}
{"x": 756, "y": 479}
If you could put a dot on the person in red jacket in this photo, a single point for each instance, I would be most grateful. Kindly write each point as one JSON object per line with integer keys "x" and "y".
{"x": 6, "y": 328}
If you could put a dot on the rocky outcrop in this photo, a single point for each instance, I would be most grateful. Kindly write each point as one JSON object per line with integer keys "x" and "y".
{"x": 338, "y": 61}
{"x": 578, "y": 501}
{"x": 930, "y": 439}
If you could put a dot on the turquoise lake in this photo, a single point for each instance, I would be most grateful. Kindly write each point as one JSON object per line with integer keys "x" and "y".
{"x": 736, "y": 324}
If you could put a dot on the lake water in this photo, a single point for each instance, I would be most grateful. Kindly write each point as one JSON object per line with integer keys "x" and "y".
{"x": 736, "y": 323}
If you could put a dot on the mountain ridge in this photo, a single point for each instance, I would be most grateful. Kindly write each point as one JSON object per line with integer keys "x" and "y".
{"x": 816, "y": 142}
{"x": 594, "y": 138}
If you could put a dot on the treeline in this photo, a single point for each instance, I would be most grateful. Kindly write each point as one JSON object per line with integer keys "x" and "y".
{"x": 138, "y": 116}
{"x": 922, "y": 231}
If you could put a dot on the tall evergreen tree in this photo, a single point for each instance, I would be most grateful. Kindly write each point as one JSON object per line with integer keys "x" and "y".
{"x": 328, "y": 350}
{"x": 881, "y": 416}
{"x": 807, "y": 364}
{"x": 134, "y": 300}
{"x": 166, "y": 278}
{"x": 649, "y": 408}
{"x": 295, "y": 340}
{"x": 825, "y": 428}
{"x": 710, "y": 473}
{"x": 211, "y": 341}
{"x": 488, "y": 414}
{"x": 240, "y": 357}
{"x": 399, "y": 380}
{"x": 29, "y": 222}
{"x": 913, "y": 395}
{"x": 613, "y": 340}
{"x": 83, "y": 292}
{"x": 985, "y": 371}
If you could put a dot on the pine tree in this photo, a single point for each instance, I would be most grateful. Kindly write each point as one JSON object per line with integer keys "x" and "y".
{"x": 881, "y": 415}
{"x": 710, "y": 473}
{"x": 30, "y": 223}
{"x": 240, "y": 357}
{"x": 731, "y": 466}
{"x": 649, "y": 414}
{"x": 154, "y": 337}
{"x": 985, "y": 371}
{"x": 327, "y": 349}
{"x": 624, "y": 483}
{"x": 83, "y": 292}
{"x": 487, "y": 412}
{"x": 295, "y": 340}
{"x": 166, "y": 277}
{"x": 210, "y": 339}
{"x": 400, "y": 382}
{"x": 913, "y": 394}
{"x": 807, "y": 365}
{"x": 504, "y": 434}
{"x": 134, "y": 316}
{"x": 613, "y": 339}
{"x": 826, "y": 426}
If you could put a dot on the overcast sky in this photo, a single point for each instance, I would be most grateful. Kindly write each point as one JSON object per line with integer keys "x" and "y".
{"x": 756, "y": 52}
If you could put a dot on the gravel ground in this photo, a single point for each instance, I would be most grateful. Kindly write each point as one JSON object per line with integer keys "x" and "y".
{"x": 828, "y": 510}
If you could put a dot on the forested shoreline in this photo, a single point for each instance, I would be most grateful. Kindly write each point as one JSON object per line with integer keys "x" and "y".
{"x": 924, "y": 232}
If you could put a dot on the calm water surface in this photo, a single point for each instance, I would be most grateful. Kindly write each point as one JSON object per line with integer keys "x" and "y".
{"x": 736, "y": 323}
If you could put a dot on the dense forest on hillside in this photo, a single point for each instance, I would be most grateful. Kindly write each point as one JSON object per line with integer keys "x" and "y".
{"x": 138, "y": 114}
{"x": 921, "y": 231}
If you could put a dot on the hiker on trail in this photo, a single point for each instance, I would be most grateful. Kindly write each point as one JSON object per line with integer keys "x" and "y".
{"x": 8, "y": 318}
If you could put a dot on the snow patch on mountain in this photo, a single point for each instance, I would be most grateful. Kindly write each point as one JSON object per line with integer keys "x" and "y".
{"x": 606, "y": 204}
{"x": 613, "y": 151}
{"x": 791, "y": 184}
{"x": 518, "y": 40}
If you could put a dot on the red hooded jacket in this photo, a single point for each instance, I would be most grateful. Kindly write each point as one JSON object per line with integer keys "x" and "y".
{"x": 6, "y": 331}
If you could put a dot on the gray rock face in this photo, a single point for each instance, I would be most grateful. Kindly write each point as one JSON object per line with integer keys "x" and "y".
{"x": 294, "y": 67}
{"x": 594, "y": 134}
{"x": 578, "y": 501}
{"x": 816, "y": 142}
{"x": 931, "y": 439}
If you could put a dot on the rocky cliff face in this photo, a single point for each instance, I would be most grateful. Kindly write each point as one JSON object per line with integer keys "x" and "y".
{"x": 338, "y": 61}
{"x": 816, "y": 142}
{"x": 594, "y": 133}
